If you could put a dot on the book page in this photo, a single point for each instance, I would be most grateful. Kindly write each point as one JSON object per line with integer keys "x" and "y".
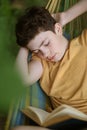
{"x": 59, "y": 114}
{"x": 40, "y": 113}
{"x": 54, "y": 120}
{"x": 32, "y": 115}
{"x": 63, "y": 115}
{"x": 57, "y": 110}
{"x": 76, "y": 114}
{"x": 69, "y": 111}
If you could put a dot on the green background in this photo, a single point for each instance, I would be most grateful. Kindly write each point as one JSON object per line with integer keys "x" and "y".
{"x": 11, "y": 86}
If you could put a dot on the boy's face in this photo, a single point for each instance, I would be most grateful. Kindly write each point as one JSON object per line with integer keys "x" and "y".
{"x": 48, "y": 45}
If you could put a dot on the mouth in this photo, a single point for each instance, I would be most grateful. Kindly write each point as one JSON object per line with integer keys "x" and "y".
{"x": 51, "y": 58}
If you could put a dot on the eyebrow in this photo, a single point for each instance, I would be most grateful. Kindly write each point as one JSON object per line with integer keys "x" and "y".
{"x": 39, "y": 46}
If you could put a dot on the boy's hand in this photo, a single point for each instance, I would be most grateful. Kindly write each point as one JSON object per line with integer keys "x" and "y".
{"x": 23, "y": 53}
{"x": 56, "y": 16}
{"x": 59, "y": 17}
{"x": 24, "y": 50}
{"x": 70, "y": 14}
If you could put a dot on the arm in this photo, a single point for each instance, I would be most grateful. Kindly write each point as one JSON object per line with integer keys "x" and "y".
{"x": 73, "y": 12}
{"x": 30, "y": 72}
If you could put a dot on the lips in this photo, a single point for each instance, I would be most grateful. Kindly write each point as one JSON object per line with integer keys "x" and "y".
{"x": 51, "y": 58}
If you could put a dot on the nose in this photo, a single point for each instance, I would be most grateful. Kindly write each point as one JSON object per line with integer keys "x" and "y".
{"x": 44, "y": 51}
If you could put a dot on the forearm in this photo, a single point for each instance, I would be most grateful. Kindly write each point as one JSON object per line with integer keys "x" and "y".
{"x": 75, "y": 11}
{"x": 30, "y": 72}
{"x": 22, "y": 64}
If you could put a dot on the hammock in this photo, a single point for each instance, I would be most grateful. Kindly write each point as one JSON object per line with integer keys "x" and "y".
{"x": 34, "y": 95}
{"x": 75, "y": 27}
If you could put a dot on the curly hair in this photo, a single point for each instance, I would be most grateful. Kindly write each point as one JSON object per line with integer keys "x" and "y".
{"x": 34, "y": 20}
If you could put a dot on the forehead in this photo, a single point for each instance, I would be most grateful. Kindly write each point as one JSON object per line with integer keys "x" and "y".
{"x": 37, "y": 40}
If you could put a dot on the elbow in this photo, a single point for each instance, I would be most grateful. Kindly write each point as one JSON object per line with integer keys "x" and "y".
{"x": 27, "y": 82}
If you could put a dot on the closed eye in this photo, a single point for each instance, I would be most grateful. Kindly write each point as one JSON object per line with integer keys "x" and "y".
{"x": 46, "y": 44}
{"x": 36, "y": 51}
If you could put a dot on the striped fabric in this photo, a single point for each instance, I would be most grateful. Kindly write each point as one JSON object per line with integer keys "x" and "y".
{"x": 33, "y": 96}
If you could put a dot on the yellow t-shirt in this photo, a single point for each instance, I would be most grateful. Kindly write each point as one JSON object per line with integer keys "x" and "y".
{"x": 66, "y": 81}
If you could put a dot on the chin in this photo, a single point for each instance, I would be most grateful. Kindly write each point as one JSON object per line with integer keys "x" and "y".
{"x": 58, "y": 59}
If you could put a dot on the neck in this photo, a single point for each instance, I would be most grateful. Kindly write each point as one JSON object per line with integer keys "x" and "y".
{"x": 66, "y": 43}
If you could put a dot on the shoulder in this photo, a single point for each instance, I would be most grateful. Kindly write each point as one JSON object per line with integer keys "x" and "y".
{"x": 83, "y": 37}
{"x": 36, "y": 61}
{"x": 37, "y": 58}
{"x": 84, "y": 33}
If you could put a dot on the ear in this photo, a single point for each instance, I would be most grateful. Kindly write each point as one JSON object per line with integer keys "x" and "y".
{"x": 58, "y": 29}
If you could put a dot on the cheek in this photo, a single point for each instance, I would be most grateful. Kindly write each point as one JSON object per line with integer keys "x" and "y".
{"x": 53, "y": 47}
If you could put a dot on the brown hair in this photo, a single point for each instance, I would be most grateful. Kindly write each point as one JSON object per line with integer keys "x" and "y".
{"x": 34, "y": 20}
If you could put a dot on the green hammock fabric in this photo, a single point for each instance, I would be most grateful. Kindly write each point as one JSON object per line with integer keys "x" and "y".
{"x": 75, "y": 27}
{"x": 31, "y": 97}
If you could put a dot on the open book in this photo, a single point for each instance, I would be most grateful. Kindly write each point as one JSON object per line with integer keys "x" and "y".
{"x": 60, "y": 114}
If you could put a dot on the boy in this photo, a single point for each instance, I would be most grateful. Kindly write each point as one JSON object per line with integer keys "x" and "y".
{"x": 55, "y": 61}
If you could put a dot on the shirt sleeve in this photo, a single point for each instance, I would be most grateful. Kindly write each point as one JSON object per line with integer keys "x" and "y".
{"x": 35, "y": 57}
